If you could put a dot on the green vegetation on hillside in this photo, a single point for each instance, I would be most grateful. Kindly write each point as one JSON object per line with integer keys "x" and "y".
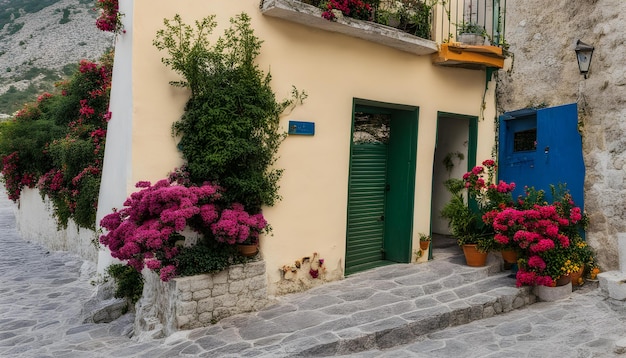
{"x": 14, "y": 98}
{"x": 11, "y": 11}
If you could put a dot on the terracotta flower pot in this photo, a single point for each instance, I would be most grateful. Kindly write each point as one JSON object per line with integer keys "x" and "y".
{"x": 473, "y": 257}
{"x": 576, "y": 276}
{"x": 509, "y": 256}
{"x": 424, "y": 245}
{"x": 563, "y": 280}
{"x": 248, "y": 250}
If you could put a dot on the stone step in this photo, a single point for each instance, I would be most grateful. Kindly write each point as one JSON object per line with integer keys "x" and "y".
{"x": 398, "y": 323}
{"x": 376, "y": 309}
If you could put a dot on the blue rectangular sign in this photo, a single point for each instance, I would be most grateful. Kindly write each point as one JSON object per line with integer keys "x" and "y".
{"x": 301, "y": 128}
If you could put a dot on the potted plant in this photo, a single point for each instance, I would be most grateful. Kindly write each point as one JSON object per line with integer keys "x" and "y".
{"x": 474, "y": 202}
{"x": 471, "y": 33}
{"x": 583, "y": 256}
{"x": 466, "y": 225}
{"x": 248, "y": 249}
{"x": 424, "y": 241}
{"x": 411, "y": 16}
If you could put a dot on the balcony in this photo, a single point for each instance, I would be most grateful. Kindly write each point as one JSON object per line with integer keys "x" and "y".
{"x": 299, "y": 12}
{"x": 421, "y": 27}
{"x": 456, "y": 20}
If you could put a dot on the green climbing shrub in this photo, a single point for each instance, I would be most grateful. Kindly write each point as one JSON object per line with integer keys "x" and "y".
{"x": 229, "y": 133}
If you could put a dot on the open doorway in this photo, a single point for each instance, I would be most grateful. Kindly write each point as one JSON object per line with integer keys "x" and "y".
{"x": 455, "y": 154}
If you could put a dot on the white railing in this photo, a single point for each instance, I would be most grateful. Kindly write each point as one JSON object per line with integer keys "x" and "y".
{"x": 452, "y": 17}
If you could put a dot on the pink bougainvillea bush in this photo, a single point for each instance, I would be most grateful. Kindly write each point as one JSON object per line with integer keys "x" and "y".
{"x": 57, "y": 143}
{"x": 542, "y": 233}
{"x": 147, "y": 232}
{"x": 357, "y": 9}
{"x": 110, "y": 17}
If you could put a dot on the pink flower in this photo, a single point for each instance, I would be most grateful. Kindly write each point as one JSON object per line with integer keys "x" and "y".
{"x": 552, "y": 230}
{"x": 501, "y": 239}
{"x": 504, "y": 187}
{"x": 477, "y": 170}
{"x": 153, "y": 264}
{"x": 148, "y": 226}
{"x": 536, "y": 262}
{"x": 575, "y": 215}
{"x": 544, "y": 281}
{"x": 111, "y": 221}
{"x": 167, "y": 273}
{"x": 542, "y": 245}
{"x": 525, "y": 278}
{"x": 208, "y": 213}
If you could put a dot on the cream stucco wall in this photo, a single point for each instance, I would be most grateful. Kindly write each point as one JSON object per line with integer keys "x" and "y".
{"x": 333, "y": 69}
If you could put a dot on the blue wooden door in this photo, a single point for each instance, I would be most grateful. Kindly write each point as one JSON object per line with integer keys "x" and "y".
{"x": 542, "y": 147}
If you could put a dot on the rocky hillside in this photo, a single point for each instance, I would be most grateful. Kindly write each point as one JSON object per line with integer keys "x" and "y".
{"x": 40, "y": 42}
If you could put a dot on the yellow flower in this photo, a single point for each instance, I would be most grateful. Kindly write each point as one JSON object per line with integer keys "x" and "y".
{"x": 569, "y": 267}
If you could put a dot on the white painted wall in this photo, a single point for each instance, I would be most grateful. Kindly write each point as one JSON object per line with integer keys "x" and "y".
{"x": 452, "y": 137}
{"x": 117, "y": 167}
{"x": 35, "y": 222}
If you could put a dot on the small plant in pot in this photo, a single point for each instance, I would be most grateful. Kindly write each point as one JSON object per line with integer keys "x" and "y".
{"x": 471, "y": 33}
{"x": 424, "y": 241}
{"x": 466, "y": 225}
{"x": 411, "y": 16}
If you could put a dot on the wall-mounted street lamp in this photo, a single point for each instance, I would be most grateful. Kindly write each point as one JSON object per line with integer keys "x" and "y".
{"x": 583, "y": 55}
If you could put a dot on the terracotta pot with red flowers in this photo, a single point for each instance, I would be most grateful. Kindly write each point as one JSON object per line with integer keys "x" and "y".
{"x": 473, "y": 199}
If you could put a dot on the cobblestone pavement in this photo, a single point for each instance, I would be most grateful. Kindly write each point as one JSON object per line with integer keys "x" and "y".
{"x": 42, "y": 293}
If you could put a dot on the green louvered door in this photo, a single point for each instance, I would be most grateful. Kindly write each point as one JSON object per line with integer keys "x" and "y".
{"x": 382, "y": 177}
{"x": 366, "y": 206}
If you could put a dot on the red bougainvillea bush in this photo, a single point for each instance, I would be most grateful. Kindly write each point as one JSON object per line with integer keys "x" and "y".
{"x": 148, "y": 231}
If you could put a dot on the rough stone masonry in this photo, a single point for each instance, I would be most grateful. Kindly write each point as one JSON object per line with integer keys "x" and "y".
{"x": 200, "y": 300}
{"x": 544, "y": 72}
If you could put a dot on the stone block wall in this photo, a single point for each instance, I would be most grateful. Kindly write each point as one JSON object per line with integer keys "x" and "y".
{"x": 198, "y": 301}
